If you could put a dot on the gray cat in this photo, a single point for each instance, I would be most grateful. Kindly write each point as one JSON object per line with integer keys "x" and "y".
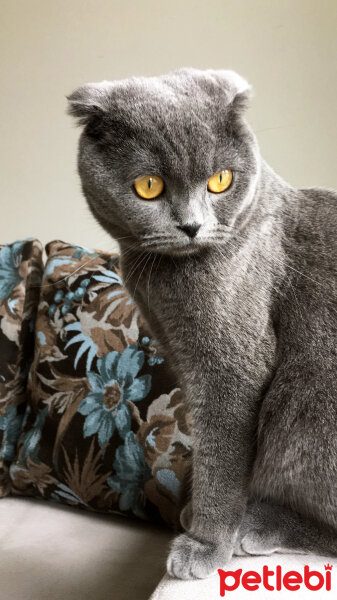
{"x": 236, "y": 273}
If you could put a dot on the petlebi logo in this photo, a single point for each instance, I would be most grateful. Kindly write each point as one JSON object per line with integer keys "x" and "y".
{"x": 276, "y": 579}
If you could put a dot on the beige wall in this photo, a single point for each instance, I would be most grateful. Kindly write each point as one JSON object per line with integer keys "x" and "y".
{"x": 286, "y": 48}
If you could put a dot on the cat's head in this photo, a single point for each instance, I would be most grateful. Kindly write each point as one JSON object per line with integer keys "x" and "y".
{"x": 167, "y": 163}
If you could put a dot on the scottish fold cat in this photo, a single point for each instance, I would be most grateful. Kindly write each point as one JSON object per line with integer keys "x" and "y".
{"x": 236, "y": 272}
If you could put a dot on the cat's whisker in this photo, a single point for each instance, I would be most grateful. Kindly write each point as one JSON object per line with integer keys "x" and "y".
{"x": 148, "y": 284}
{"x": 144, "y": 266}
{"x": 131, "y": 249}
{"x": 174, "y": 262}
{"x": 46, "y": 285}
{"x": 125, "y": 237}
{"x": 137, "y": 262}
{"x": 158, "y": 264}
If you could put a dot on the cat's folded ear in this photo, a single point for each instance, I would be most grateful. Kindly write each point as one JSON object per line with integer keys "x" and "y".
{"x": 239, "y": 91}
{"x": 89, "y": 101}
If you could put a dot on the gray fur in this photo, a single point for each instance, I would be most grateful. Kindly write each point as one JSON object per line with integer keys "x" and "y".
{"x": 245, "y": 311}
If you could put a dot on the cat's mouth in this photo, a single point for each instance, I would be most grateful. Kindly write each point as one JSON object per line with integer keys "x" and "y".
{"x": 173, "y": 246}
{"x": 173, "y": 249}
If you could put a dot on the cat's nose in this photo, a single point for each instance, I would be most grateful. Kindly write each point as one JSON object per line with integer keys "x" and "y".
{"x": 191, "y": 229}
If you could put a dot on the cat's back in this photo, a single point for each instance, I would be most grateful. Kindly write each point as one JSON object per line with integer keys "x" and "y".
{"x": 310, "y": 283}
{"x": 317, "y": 218}
{"x": 313, "y": 242}
{"x": 297, "y": 450}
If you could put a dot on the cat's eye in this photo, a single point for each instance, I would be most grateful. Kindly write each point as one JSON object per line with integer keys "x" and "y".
{"x": 220, "y": 181}
{"x": 149, "y": 186}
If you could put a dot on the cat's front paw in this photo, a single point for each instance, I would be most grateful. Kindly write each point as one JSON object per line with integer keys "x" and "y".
{"x": 191, "y": 559}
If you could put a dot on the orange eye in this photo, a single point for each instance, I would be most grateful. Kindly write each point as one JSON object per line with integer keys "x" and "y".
{"x": 220, "y": 181}
{"x": 149, "y": 186}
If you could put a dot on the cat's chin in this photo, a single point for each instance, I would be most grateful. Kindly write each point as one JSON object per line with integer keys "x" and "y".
{"x": 187, "y": 250}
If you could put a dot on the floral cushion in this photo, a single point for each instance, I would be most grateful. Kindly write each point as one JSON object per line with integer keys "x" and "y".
{"x": 20, "y": 278}
{"x": 106, "y": 427}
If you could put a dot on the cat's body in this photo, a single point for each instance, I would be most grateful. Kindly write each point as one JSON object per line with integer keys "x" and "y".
{"x": 246, "y": 310}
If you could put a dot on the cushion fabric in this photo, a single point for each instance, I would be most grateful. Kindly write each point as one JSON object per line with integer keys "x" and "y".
{"x": 20, "y": 278}
{"x": 106, "y": 427}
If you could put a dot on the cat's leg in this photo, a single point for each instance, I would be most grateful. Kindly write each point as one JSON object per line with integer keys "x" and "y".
{"x": 223, "y": 454}
{"x": 268, "y": 528}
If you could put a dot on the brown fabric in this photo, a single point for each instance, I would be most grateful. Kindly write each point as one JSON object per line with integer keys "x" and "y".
{"x": 20, "y": 278}
{"x": 106, "y": 426}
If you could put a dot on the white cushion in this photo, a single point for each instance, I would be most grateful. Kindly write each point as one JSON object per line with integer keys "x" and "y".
{"x": 51, "y": 552}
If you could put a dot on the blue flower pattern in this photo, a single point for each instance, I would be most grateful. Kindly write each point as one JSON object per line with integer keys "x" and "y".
{"x": 114, "y": 382}
{"x": 132, "y": 473}
{"x": 105, "y": 407}
{"x": 86, "y": 344}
